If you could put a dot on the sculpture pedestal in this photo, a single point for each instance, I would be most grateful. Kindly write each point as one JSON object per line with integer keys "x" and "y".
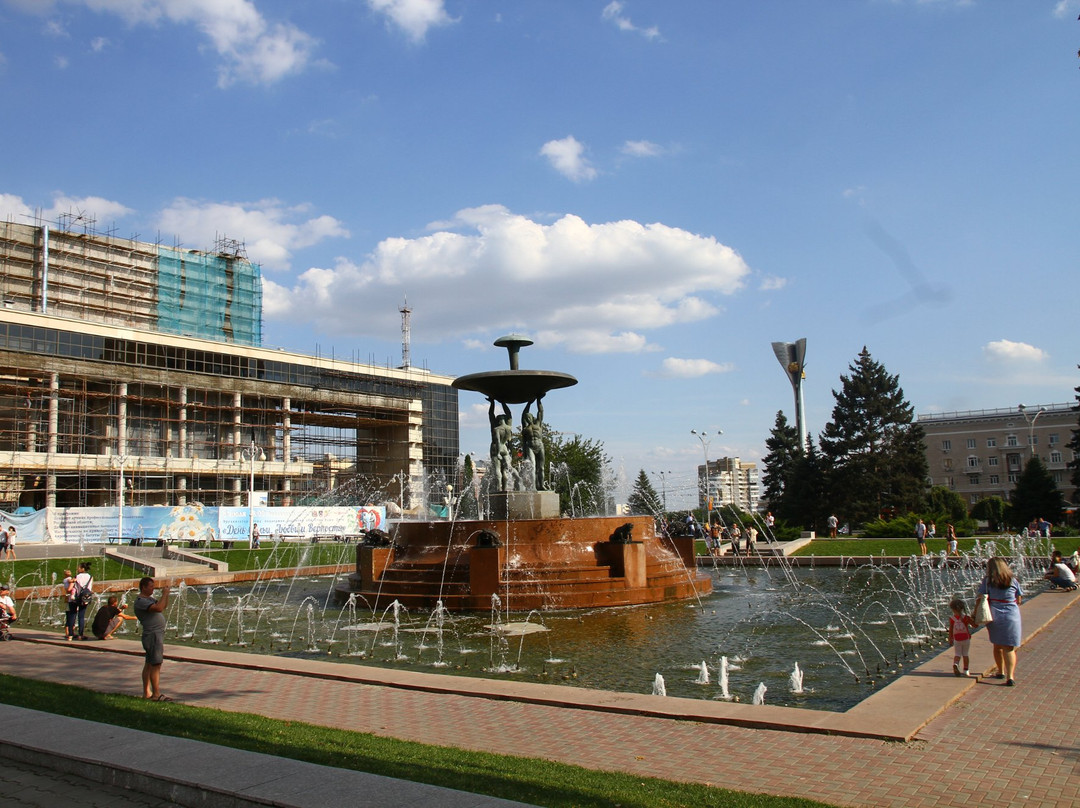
{"x": 524, "y": 505}
{"x": 370, "y": 563}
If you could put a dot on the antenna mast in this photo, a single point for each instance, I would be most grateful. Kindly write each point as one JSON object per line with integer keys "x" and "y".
{"x": 406, "y": 337}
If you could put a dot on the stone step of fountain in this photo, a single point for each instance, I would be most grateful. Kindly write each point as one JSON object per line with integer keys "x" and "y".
{"x": 567, "y": 573}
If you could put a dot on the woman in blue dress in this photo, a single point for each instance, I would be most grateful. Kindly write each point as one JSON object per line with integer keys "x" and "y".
{"x": 1005, "y": 596}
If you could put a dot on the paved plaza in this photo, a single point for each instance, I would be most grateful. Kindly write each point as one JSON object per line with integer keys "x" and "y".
{"x": 967, "y": 742}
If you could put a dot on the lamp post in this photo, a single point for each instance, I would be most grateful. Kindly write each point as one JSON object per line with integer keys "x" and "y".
{"x": 663, "y": 487}
{"x": 250, "y": 453}
{"x": 1031, "y": 419}
{"x": 703, "y": 437}
{"x": 122, "y": 459}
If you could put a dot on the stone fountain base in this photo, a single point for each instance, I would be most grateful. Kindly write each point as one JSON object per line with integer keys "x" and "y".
{"x": 536, "y": 564}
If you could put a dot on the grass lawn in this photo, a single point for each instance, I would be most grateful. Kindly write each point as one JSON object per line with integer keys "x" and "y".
{"x": 531, "y": 780}
{"x": 907, "y": 547}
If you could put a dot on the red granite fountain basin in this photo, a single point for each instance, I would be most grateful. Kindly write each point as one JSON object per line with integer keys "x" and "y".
{"x": 540, "y": 564}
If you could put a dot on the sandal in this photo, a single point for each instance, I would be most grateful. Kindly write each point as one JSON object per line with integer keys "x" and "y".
{"x": 160, "y": 697}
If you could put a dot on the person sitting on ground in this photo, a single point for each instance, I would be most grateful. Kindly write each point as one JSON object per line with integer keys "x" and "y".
{"x": 7, "y": 605}
{"x": 109, "y": 618}
{"x": 1059, "y": 574}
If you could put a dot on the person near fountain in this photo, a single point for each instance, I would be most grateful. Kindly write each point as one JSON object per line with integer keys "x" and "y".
{"x": 751, "y": 539}
{"x": 502, "y": 432}
{"x": 1059, "y": 575}
{"x": 254, "y": 536}
{"x": 833, "y": 523}
{"x": 8, "y": 537}
{"x": 920, "y": 536}
{"x": 960, "y": 625}
{"x": 712, "y": 540}
{"x": 532, "y": 442}
{"x": 109, "y": 618}
{"x": 76, "y": 609}
{"x": 151, "y": 614}
{"x": 7, "y": 605}
{"x": 1004, "y": 594}
{"x": 950, "y": 536}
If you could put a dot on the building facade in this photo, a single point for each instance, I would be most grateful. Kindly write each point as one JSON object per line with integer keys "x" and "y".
{"x": 729, "y": 481}
{"x": 980, "y": 453}
{"x": 133, "y": 373}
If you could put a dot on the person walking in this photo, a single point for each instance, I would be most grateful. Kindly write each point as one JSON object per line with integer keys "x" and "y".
{"x": 960, "y": 625}
{"x": 1004, "y": 594}
{"x": 920, "y": 536}
{"x": 151, "y": 614}
{"x": 11, "y": 542}
{"x": 77, "y": 601}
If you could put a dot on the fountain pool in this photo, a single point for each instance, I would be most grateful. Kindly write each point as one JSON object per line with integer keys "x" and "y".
{"x": 848, "y": 630}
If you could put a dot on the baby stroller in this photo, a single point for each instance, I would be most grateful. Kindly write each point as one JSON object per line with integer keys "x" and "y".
{"x": 5, "y": 634}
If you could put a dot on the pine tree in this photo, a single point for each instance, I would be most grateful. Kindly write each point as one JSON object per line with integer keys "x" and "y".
{"x": 784, "y": 451}
{"x": 577, "y": 470}
{"x": 1036, "y": 496}
{"x": 643, "y": 498}
{"x": 805, "y": 500}
{"x": 1074, "y": 444}
{"x": 874, "y": 453}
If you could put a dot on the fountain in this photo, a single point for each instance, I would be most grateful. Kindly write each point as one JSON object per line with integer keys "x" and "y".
{"x": 525, "y": 552}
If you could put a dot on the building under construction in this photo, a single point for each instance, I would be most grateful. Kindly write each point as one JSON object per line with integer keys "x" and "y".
{"x": 132, "y": 369}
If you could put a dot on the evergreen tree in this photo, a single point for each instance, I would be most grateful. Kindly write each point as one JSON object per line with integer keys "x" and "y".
{"x": 1036, "y": 496}
{"x": 991, "y": 510}
{"x": 643, "y": 498}
{"x": 1074, "y": 444}
{"x": 468, "y": 508}
{"x": 784, "y": 451}
{"x": 805, "y": 500}
{"x": 874, "y": 453}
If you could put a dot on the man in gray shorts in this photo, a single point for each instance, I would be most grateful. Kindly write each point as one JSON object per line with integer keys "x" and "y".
{"x": 151, "y": 614}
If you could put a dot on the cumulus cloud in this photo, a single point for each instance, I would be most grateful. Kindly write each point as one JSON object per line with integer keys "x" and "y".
{"x": 675, "y": 368}
{"x": 414, "y": 17}
{"x": 253, "y": 49}
{"x": 269, "y": 229}
{"x": 1004, "y": 350}
{"x": 85, "y": 208}
{"x": 641, "y": 148}
{"x": 1065, "y": 9}
{"x": 613, "y": 13}
{"x": 590, "y": 287}
{"x": 567, "y": 156}
{"x": 772, "y": 283}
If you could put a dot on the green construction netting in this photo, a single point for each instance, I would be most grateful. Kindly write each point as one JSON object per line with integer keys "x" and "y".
{"x": 215, "y": 297}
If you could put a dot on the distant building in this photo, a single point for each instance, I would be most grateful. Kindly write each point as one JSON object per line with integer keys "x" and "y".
{"x": 730, "y": 482}
{"x": 980, "y": 453}
{"x": 119, "y": 354}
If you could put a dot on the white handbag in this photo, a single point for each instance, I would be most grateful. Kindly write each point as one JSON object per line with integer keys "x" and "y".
{"x": 982, "y": 610}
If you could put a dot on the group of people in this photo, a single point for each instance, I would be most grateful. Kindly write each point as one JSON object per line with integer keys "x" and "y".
{"x": 1003, "y": 595}
{"x": 7, "y": 543}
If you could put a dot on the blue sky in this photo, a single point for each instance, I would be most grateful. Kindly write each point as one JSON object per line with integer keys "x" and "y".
{"x": 653, "y": 191}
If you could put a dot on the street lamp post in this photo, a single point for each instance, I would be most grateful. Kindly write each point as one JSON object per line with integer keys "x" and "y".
{"x": 122, "y": 459}
{"x": 251, "y": 452}
{"x": 703, "y": 437}
{"x": 1031, "y": 419}
{"x": 663, "y": 488}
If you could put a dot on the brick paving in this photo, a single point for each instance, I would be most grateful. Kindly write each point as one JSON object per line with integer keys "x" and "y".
{"x": 991, "y": 746}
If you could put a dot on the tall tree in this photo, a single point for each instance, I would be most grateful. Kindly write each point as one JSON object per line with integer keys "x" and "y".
{"x": 643, "y": 498}
{"x": 1036, "y": 496}
{"x": 576, "y": 471}
{"x": 784, "y": 451}
{"x": 805, "y": 500}
{"x": 1074, "y": 444}
{"x": 873, "y": 450}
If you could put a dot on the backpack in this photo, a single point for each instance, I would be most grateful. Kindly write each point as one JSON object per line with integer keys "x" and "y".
{"x": 82, "y": 595}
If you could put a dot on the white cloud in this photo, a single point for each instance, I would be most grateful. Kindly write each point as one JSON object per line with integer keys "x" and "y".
{"x": 252, "y": 49}
{"x": 613, "y": 12}
{"x": 269, "y": 230}
{"x": 567, "y": 156}
{"x": 641, "y": 148}
{"x": 1004, "y": 350}
{"x": 88, "y": 208}
{"x": 414, "y": 17}
{"x": 1065, "y": 9}
{"x": 675, "y": 368}
{"x": 98, "y": 44}
{"x": 590, "y": 287}
{"x": 771, "y": 283}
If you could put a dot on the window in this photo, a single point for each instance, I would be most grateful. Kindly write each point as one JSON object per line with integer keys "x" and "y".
{"x": 1010, "y": 440}
{"x": 1055, "y": 457}
{"x": 992, "y": 460}
{"x": 972, "y": 462}
{"x": 995, "y": 479}
{"x": 991, "y": 443}
{"x": 947, "y": 464}
{"x": 973, "y": 479}
{"x": 946, "y": 445}
{"x": 971, "y": 443}
{"x": 1053, "y": 438}
{"x": 1033, "y": 440}
{"x": 1057, "y": 477}
{"x": 951, "y": 482}
{"x": 1013, "y": 477}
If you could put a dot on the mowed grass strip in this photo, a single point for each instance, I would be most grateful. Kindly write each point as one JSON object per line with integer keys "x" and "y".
{"x": 529, "y": 780}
